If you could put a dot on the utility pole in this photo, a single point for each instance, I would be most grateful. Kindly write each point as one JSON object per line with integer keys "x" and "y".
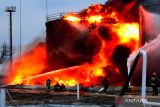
{"x": 10, "y": 10}
{"x": 46, "y": 10}
{"x": 20, "y": 45}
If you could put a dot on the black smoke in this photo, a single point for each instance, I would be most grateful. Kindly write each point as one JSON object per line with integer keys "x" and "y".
{"x": 119, "y": 58}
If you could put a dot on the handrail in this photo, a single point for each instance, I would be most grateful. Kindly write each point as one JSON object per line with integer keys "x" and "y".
{"x": 58, "y": 15}
{"x": 55, "y": 16}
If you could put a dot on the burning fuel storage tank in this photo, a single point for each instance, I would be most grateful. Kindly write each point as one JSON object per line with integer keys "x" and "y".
{"x": 149, "y": 20}
{"x": 66, "y": 44}
{"x": 149, "y": 30}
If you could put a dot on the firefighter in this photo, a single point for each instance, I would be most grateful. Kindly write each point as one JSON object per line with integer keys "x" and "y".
{"x": 82, "y": 90}
{"x": 57, "y": 87}
{"x": 105, "y": 84}
{"x": 154, "y": 83}
{"x": 48, "y": 84}
{"x": 63, "y": 88}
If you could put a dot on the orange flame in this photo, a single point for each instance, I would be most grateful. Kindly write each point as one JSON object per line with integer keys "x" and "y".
{"x": 30, "y": 64}
{"x": 95, "y": 19}
{"x": 127, "y": 31}
{"x": 72, "y": 17}
{"x": 68, "y": 76}
{"x": 33, "y": 63}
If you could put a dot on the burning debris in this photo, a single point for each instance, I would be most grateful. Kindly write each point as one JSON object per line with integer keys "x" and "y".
{"x": 84, "y": 47}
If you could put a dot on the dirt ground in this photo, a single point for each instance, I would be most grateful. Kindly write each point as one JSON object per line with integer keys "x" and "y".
{"x": 31, "y": 97}
{"x": 39, "y": 95}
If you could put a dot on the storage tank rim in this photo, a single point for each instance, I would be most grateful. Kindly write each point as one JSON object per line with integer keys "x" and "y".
{"x": 148, "y": 3}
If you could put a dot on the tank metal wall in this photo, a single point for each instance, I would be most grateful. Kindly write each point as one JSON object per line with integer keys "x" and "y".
{"x": 149, "y": 23}
{"x": 66, "y": 45}
{"x": 149, "y": 30}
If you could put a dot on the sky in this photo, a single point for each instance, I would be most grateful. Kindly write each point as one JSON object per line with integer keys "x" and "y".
{"x": 34, "y": 17}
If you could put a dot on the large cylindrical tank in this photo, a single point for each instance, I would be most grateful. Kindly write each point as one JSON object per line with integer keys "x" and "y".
{"x": 66, "y": 44}
{"x": 149, "y": 30}
{"x": 149, "y": 20}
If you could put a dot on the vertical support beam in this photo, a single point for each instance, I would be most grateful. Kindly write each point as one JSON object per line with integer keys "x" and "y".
{"x": 2, "y": 97}
{"x": 78, "y": 95}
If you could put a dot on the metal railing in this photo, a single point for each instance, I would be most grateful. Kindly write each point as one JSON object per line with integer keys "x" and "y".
{"x": 56, "y": 16}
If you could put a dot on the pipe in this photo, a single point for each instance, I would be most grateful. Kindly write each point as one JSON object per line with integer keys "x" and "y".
{"x": 143, "y": 91}
{"x": 129, "y": 68}
{"x": 78, "y": 95}
{"x": 144, "y": 70}
{"x": 146, "y": 103}
{"x": 2, "y": 97}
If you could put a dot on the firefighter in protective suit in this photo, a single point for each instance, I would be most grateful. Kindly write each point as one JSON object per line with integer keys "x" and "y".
{"x": 48, "y": 84}
{"x": 105, "y": 84}
{"x": 154, "y": 83}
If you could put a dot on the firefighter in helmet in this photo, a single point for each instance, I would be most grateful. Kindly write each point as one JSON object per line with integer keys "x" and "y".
{"x": 105, "y": 84}
{"x": 154, "y": 83}
{"x": 48, "y": 84}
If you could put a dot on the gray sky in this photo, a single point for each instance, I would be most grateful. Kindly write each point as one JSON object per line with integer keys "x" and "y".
{"x": 33, "y": 17}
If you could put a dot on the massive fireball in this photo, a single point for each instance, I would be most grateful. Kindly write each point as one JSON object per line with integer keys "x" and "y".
{"x": 113, "y": 33}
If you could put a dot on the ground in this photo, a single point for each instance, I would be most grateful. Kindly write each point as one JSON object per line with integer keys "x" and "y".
{"x": 35, "y": 95}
